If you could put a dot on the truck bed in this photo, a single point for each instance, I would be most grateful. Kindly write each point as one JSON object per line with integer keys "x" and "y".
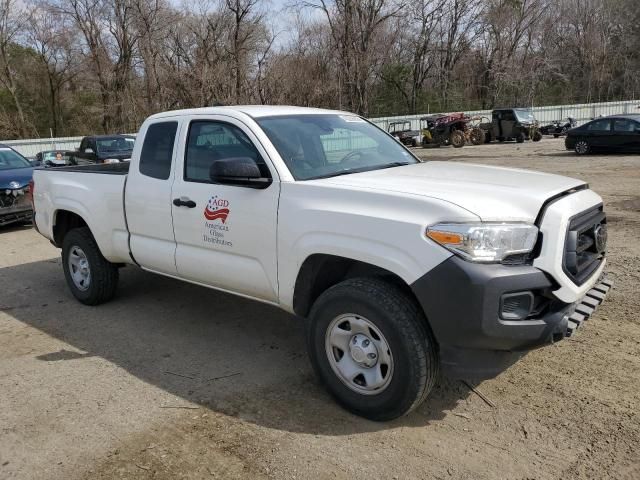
{"x": 95, "y": 193}
{"x": 121, "y": 168}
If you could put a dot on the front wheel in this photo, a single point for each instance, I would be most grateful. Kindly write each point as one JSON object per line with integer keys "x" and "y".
{"x": 582, "y": 147}
{"x": 537, "y": 136}
{"x": 371, "y": 346}
{"x": 92, "y": 278}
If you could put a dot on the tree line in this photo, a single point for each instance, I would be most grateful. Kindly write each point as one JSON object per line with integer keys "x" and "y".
{"x": 71, "y": 67}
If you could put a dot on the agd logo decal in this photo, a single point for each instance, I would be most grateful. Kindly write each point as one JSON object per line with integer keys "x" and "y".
{"x": 215, "y": 232}
{"x": 217, "y": 208}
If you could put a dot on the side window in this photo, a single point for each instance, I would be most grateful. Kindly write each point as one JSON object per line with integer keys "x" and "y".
{"x": 83, "y": 144}
{"x": 509, "y": 116}
{"x": 624, "y": 125}
{"x": 600, "y": 125}
{"x": 157, "y": 150}
{"x": 210, "y": 141}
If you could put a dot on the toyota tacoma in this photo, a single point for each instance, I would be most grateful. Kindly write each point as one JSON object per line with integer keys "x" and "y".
{"x": 400, "y": 268}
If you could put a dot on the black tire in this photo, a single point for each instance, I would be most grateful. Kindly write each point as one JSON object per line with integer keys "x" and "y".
{"x": 520, "y": 137}
{"x": 582, "y": 147}
{"x": 402, "y": 324}
{"x": 478, "y": 136}
{"x": 487, "y": 137}
{"x": 537, "y": 136}
{"x": 103, "y": 274}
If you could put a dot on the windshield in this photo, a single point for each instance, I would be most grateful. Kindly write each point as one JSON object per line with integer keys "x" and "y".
{"x": 318, "y": 146}
{"x": 525, "y": 115}
{"x": 10, "y": 159}
{"x": 54, "y": 156}
{"x": 116, "y": 144}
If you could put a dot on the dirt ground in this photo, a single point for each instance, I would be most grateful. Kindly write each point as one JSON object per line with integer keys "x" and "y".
{"x": 172, "y": 381}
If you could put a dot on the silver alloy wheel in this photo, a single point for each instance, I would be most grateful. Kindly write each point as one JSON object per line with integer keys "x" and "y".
{"x": 79, "y": 268}
{"x": 582, "y": 147}
{"x": 359, "y": 354}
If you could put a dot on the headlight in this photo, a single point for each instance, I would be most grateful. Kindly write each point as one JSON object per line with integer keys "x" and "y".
{"x": 485, "y": 242}
{"x": 112, "y": 160}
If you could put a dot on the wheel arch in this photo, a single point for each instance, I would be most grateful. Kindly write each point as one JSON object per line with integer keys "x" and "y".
{"x": 64, "y": 221}
{"x": 320, "y": 272}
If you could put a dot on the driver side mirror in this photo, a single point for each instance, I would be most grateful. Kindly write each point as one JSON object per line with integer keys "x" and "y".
{"x": 239, "y": 171}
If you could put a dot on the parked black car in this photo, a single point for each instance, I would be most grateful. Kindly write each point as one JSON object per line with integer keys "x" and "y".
{"x": 616, "y": 133}
{"x": 103, "y": 149}
{"x": 15, "y": 174}
{"x": 517, "y": 124}
{"x": 559, "y": 127}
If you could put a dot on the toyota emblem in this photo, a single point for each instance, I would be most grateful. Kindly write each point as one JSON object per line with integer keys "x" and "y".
{"x": 600, "y": 236}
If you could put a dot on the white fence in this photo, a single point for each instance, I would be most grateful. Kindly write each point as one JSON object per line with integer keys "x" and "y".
{"x": 581, "y": 112}
{"x": 29, "y": 148}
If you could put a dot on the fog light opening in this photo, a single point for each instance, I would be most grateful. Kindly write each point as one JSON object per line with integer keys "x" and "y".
{"x": 516, "y": 306}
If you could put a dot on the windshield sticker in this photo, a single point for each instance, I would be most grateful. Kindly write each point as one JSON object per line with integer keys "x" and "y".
{"x": 351, "y": 119}
{"x": 216, "y": 224}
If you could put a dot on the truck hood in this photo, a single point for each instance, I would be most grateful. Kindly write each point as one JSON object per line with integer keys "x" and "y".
{"x": 491, "y": 193}
{"x": 19, "y": 175}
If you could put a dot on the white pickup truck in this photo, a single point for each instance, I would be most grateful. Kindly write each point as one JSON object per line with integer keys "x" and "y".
{"x": 399, "y": 267}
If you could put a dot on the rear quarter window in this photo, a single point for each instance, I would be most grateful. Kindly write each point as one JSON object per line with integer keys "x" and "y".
{"x": 157, "y": 150}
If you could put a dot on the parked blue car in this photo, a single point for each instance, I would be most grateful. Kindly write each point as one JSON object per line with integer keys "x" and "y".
{"x": 15, "y": 174}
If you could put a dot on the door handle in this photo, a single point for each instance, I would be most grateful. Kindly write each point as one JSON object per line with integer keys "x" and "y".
{"x": 184, "y": 202}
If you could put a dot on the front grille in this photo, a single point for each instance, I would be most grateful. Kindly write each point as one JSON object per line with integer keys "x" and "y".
{"x": 7, "y": 200}
{"x": 585, "y": 244}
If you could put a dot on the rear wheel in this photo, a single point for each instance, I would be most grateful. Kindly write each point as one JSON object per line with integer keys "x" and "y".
{"x": 92, "y": 279}
{"x": 457, "y": 139}
{"x": 582, "y": 147}
{"x": 370, "y": 345}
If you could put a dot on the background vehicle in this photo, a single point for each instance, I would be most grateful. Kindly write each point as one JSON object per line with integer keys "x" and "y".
{"x": 559, "y": 127}
{"x": 617, "y": 133}
{"x": 15, "y": 174}
{"x": 103, "y": 149}
{"x": 400, "y": 267}
{"x": 517, "y": 124}
{"x": 401, "y": 129}
{"x": 54, "y": 158}
{"x": 438, "y": 130}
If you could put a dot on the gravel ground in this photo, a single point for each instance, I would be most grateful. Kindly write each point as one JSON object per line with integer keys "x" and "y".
{"x": 171, "y": 380}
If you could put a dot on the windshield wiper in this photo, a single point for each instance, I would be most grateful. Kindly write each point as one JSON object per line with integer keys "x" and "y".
{"x": 360, "y": 170}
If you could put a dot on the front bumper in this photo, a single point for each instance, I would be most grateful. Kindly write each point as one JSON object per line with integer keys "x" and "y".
{"x": 462, "y": 302}
{"x": 10, "y": 215}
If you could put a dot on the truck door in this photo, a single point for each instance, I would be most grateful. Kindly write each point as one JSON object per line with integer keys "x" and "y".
{"x": 225, "y": 234}
{"x": 148, "y": 198}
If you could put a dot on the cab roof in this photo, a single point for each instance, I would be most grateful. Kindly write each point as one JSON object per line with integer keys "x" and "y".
{"x": 255, "y": 111}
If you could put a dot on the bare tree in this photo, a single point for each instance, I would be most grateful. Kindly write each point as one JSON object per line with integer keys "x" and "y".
{"x": 11, "y": 24}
